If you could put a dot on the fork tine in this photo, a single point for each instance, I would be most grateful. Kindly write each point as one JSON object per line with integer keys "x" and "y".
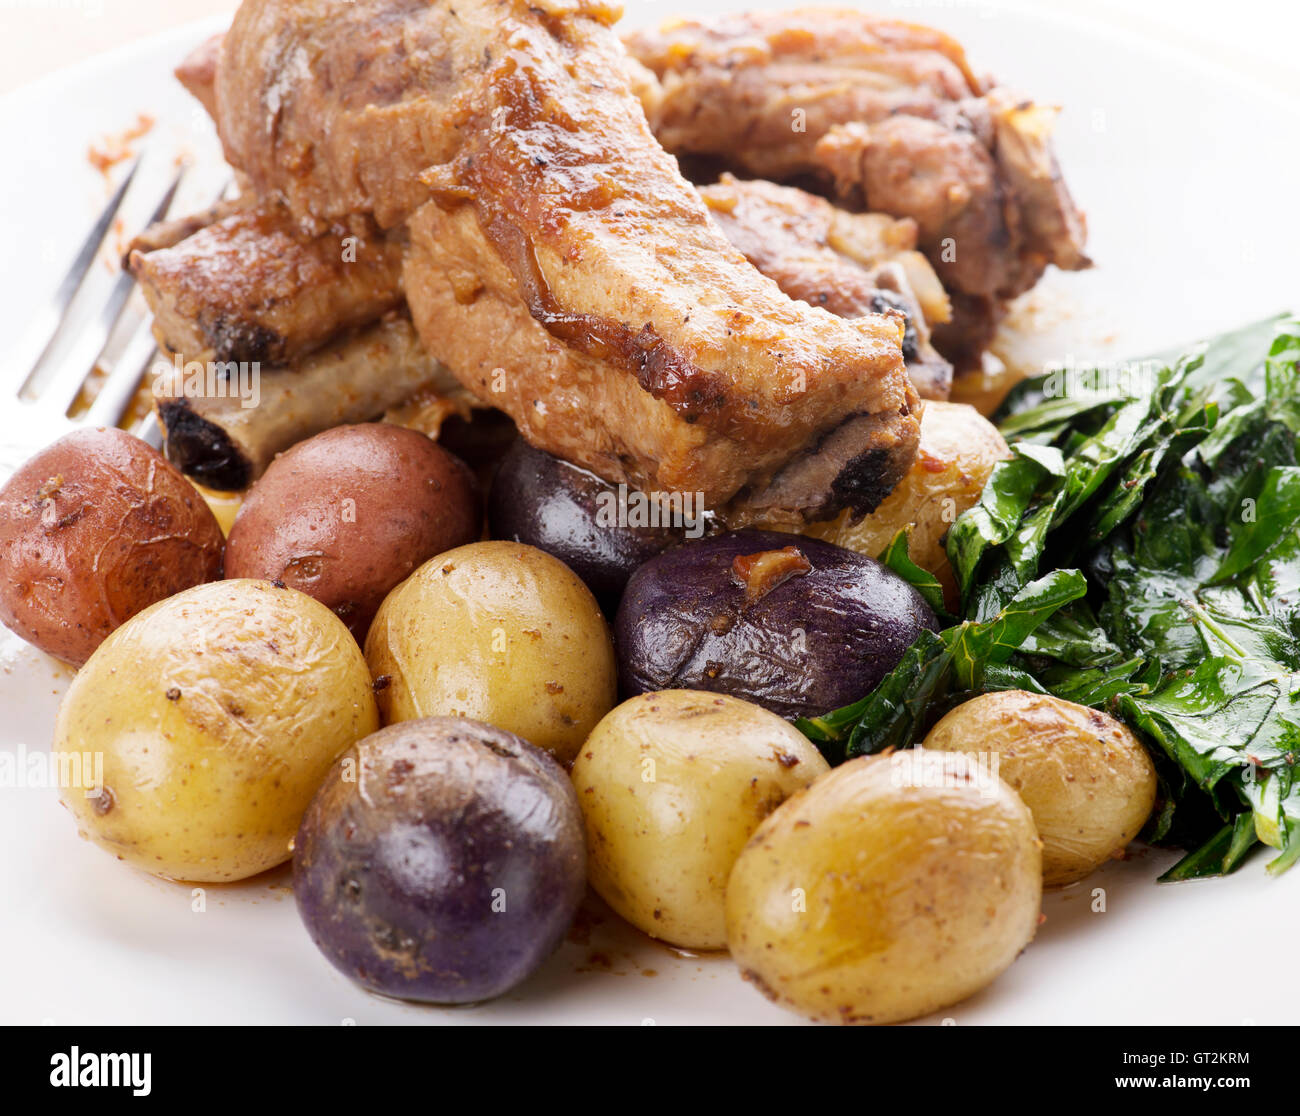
{"x": 148, "y": 430}
{"x": 120, "y": 387}
{"x": 132, "y": 365}
{"x": 77, "y": 363}
{"x": 27, "y": 355}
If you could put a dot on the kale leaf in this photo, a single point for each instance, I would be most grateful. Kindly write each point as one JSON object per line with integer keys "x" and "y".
{"x": 1139, "y": 552}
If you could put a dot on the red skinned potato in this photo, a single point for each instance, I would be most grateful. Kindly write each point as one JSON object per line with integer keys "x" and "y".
{"x": 350, "y": 513}
{"x": 93, "y": 529}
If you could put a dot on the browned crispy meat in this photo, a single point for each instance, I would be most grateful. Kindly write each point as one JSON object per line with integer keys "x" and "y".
{"x": 888, "y": 116}
{"x": 851, "y": 264}
{"x": 794, "y": 76}
{"x": 544, "y": 218}
{"x": 246, "y": 287}
{"x": 170, "y": 232}
{"x": 339, "y": 108}
{"x": 848, "y": 263}
{"x": 198, "y": 73}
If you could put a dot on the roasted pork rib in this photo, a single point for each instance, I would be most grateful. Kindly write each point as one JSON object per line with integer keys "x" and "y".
{"x": 347, "y": 149}
{"x": 248, "y": 287}
{"x": 544, "y": 216}
{"x": 883, "y": 114}
{"x": 217, "y": 438}
{"x": 852, "y": 264}
{"x": 240, "y": 284}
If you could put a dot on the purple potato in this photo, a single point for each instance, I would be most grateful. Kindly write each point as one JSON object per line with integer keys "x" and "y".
{"x": 442, "y": 860}
{"x": 545, "y": 502}
{"x": 794, "y": 624}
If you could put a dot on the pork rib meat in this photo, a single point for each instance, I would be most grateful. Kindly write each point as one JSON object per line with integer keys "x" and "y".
{"x": 544, "y": 216}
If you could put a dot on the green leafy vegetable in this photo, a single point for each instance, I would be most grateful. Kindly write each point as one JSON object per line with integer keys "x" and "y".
{"x": 896, "y": 557}
{"x": 1270, "y": 523}
{"x": 1139, "y": 553}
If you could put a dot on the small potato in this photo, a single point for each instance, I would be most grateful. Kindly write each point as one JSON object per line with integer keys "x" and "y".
{"x": 892, "y": 887}
{"x": 441, "y": 861}
{"x": 671, "y": 786}
{"x": 348, "y": 514}
{"x": 793, "y": 624}
{"x": 217, "y": 713}
{"x": 93, "y": 529}
{"x": 498, "y": 632}
{"x": 1084, "y": 776}
{"x": 958, "y": 450}
{"x": 557, "y": 507}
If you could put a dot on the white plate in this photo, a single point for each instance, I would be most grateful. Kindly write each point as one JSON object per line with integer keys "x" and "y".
{"x": 1188, "y": 175}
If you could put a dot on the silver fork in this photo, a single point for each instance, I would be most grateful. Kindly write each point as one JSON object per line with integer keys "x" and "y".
{"x": 49, "y": 366}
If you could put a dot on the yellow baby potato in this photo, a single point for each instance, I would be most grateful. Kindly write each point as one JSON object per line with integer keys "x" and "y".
{"x": 671, "y": 786}
{"x": 498, "y": 632}
{"x": 216, "y": 713}
{"x": 892, "y": 887}
{"x": 1084, "y": 776}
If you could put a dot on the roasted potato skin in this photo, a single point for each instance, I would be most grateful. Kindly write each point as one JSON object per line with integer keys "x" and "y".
{"x": 1084, "y": 776}
{"x": 540, "y": 500}
{"x": 813, "y": 643}
{"x": 958, "y": 450}
{"x": 93, "y": 529}
{"x": 348, "y": 514}
{"x": 441, "y": 860}
{"x": 876, "y": 895}
{"x": 218, "y": 712}
{"x": 498, "y": 632}
{"x": 671, "y": 787}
